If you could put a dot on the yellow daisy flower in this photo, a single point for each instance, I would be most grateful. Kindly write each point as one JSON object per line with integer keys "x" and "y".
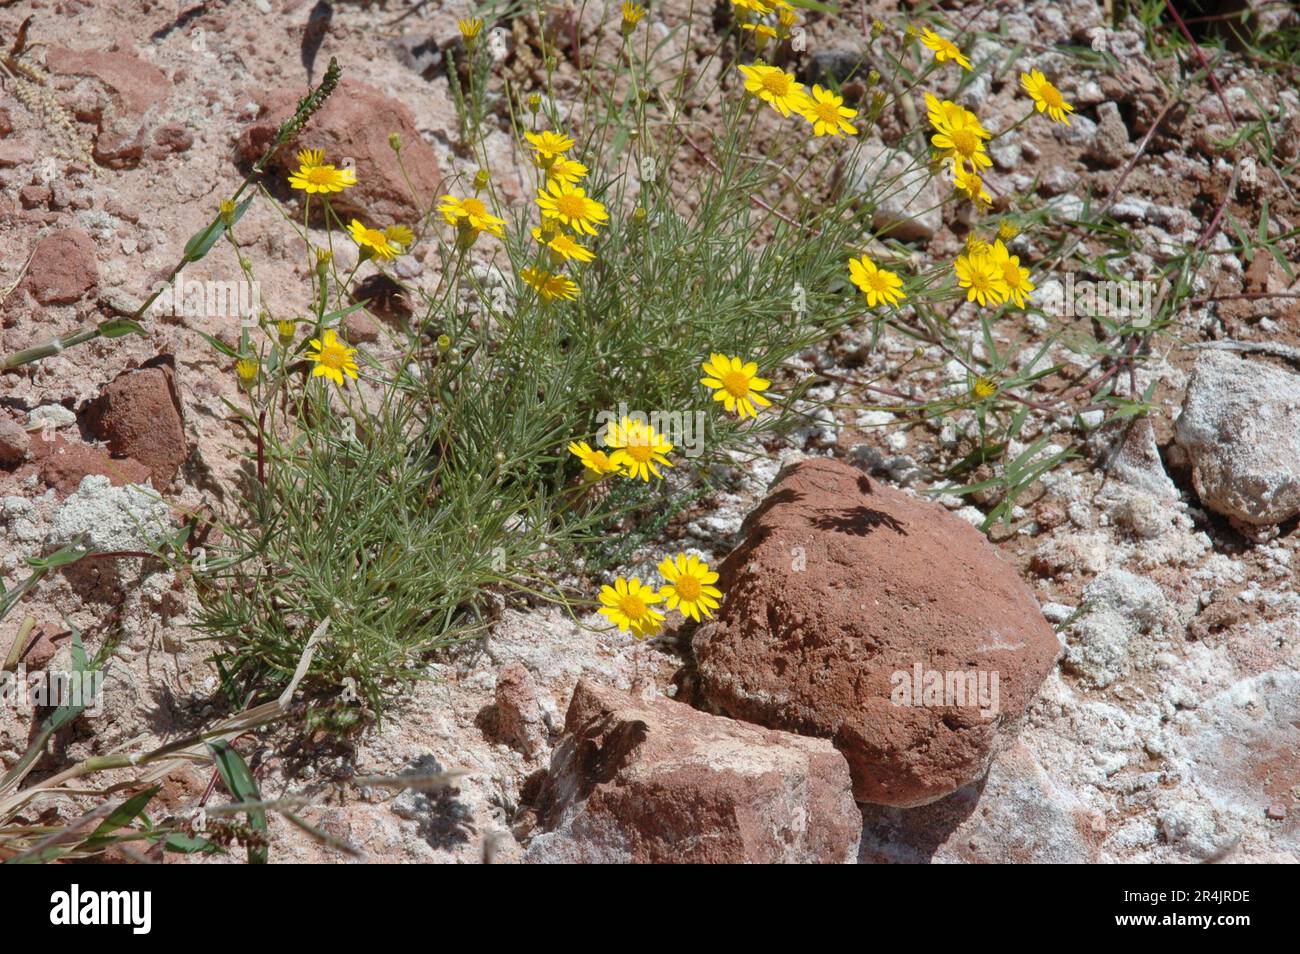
{"x": 638, "y": 449}
{"x": 944, "y": 50}
{"x": 879, "y": 284}
{"x": 971, "y": 185}
{"x": 963, "y": 142}
{"x": 314, "y": 175}
{"x": 565, "y": 248}
{"x": 549, "y": 144}
{"x": 333, "y": 358}
{"x": 596, "y": 461}
{"x": 373, "y": 241}
{"x": 828, "y": 114}
{"x": 1047, "y": 98}
{"x": 775, "y": 87}
{"x": 470, "y": 28}
{"x": 1015, "y": 277}
{"x": 246, "y": 369}
{"x": 982, "y": 278}
{"x": 285, "y": 331}
{"x": 689, "y": 587}
{"x": 471, "y": 213}
{"x": 564, "y": 169}
{"x": 571, "y": 206}
{"x": 984, "y": 388}
{"x": 736, "y": 384}
{"x": 943, "y": 113}
{"x": 627, "y": 604}
{"x": 400, "y": 235}
{"x": 549, "y": 285}
{"x": 761, "y": 7}
{"x": 632, "y": 14}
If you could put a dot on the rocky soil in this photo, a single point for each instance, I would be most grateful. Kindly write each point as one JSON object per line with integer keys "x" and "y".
{"x": 1141, "y": 607}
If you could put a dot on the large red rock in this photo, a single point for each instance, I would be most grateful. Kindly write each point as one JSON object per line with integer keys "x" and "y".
{"x": 354, "y": 125}
{"x": 653, "y": 780}
{"x": 133, "y": 89}
{"x": 63, "y": 268}
{"x": 844, "y": 593}
{"x": 139, "y": 415}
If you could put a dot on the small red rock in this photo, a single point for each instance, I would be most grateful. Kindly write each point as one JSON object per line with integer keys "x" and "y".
{"x": 354, "y": 124}
{"x": 360, "y": 328}
{"x": 653, "y": 780}
{"x": 139, "y": 415}
{"x": 63, "y": 268}
{"x": 1277, "y": 811}
{"x": 14, "y": 443}
{"x": 63, "y": 464}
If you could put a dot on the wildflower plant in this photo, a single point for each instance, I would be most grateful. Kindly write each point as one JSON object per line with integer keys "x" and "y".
{"x": 658, "y": 255}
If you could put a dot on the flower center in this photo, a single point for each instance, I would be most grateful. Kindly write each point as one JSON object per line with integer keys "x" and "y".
{"x": 320, "y": 175}
{"x": 778, "y": 84}
{"x": 965, "y": 141}
{"x": 632, "y": 606}
{"x": 473, "y": 207}
{"x": 688, "y": 588}
{"x": 1051, "y": 96}
{"x": 878, "y": 282}
{"x": 736, "y": 383}
{"x": 639, "y": 449}
{"x": 571, "y": 206}
{"x": 334, "y": 357}
{"x": 374, "y": 237}
{"x": 1011, "y": 273}
{"x": 828, "y": 113}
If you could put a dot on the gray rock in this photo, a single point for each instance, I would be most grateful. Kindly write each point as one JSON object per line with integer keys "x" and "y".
{"x": 905, "y": 195}
{"x": 110, "y": 518}
{"x": 837, "y": 63}
{"x": 1057, "y": 181}
{"x": 1240, "y": 426}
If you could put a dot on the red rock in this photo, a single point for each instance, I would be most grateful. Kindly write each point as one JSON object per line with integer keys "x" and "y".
{"x": 63, "y": 268}
{"x": 653, "y": 780}
{"x": 34, "y": 196}
{"x": 360, "y": 328}
{"x": 841, "y": 589}
{"x": 519, "y": 721}
{"x": 355, "y": 124}
{"x": 135, "y": 88}
{"x": 15, "y": 154}
{"x": 139, "y": 415}
{"x": 64, "y": 463}
{"x": 173, "y": 137}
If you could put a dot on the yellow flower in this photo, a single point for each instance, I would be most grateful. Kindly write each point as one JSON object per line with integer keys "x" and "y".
{"x": 333, "y": 358}
{"x": 879, "y": 284}
{"x": 762, "y": 32}
{"x": 549, "y": 144}
{"x": 285, "y": 331}
{"x": 774, "y": 86}
{"x": 944, "y": 50}
{"x": 761, "y": 7}
{"x": 373, "y": 241}
{"x": 550, "y": 286}
{"x": 638, "y": 448}
{"x": 472, "y": 214}
{"x": 970, "y": 183}
{"x": 1007, "y": 230}
{"x": 984, "y": 388}
{"x": 314, "y": 175}
{"x": 632, "y": 14}
{"x": 787, "y": 20}
{"x": 1015, "y": 277}
{"x": 571, "y": 206}
{"x": 247, "y": 369}
{"x": 564, "y": 169}
{"x": 962, "y": 141}
{"x": 227, "y": 212}
{"x": 627, "y": 604}
{"x": 470, "y": 28}
{"x": 1047, "y": 98}
{"x": 982, "y": 279}
{"x": 736, "y": 384}
{"x": 828, "y": 114}
{"x": 976, "y": 243}
{"x": 399, "y": 235}
{"x": 563, "y": 246}
{"x": 689, "y": 586}
{"x": 596, "y": 461}
{"x": 945, "y": 113}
